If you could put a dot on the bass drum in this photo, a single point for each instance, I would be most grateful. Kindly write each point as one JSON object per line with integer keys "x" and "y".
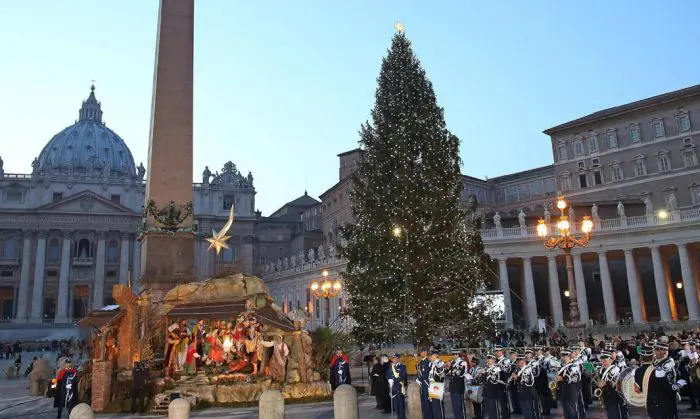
{"x": 625, "y": 386}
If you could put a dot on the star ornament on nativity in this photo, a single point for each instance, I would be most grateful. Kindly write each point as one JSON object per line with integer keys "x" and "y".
{"x": 218, "y": 240}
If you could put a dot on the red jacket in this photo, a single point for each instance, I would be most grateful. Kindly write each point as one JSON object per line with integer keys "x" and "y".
{"x": 335, "y": 358}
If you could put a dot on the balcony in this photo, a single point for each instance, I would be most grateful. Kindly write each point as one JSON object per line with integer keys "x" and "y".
{"x": 82, "y": 261}
{"x": 6, "y": 262}
{"x": 619, "y": 225}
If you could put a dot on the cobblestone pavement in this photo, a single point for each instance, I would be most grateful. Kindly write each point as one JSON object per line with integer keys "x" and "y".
{"x": 16, "y": 404}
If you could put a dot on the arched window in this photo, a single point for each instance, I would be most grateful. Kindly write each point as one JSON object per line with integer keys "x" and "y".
{"x": 9, "y": 249}
{"x": 112, "y": 252}
{"x": 83, "y": 249}
{"x": 54, "y": 251}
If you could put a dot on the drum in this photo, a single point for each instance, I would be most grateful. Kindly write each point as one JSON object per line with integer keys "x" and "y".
{"x": 474, "y": 393}
{"x": 625, "y": 385}
{"x": 436, "y": 390}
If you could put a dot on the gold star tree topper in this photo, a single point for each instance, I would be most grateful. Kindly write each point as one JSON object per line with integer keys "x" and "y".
{"x": 218, "y": 240}
{"x": 399, "y": 27}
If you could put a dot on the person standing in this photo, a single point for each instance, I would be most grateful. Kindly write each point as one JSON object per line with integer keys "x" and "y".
{"x": 138, "y": 390}
{"x": 422, "y": 372}
{"x": 505, "y": 365}
{"x": 511, "y": 388}
{"x": 375, "y": 379}
{"x": 397, "y": 378}
{"x": 66, "y": 393}
{"x": 525, "y": 381}
{"x": 661, "y": 384}
{"x": 614, "y": 404}
{"x": 436, "y": 379}
{"x": 456, "y": 372}
{"x": 494, "y": 385}
{"x": 568, "y": 379}
{"x": 340, "y": 370}
{"x": 477, "y": 379}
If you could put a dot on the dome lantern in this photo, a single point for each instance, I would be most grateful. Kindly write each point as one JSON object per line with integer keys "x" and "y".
{"x": 91, "y": 109}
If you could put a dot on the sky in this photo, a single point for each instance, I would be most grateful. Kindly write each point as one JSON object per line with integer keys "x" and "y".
{"x": 281, "y": 87}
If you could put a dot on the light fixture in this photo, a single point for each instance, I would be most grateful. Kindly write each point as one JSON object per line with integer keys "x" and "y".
{"x": 566, "y": 293}
{"x": 541, "y": 229}
{"x": 663, "y": 214}
{"x": 326, "y": 288}
{"x": 561, "y": 203}
{"x": 679, "y": 285}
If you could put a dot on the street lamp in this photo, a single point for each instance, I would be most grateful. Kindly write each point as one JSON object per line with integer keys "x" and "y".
{"x": 326, "y": 289}
{"x": 566, "y": 240}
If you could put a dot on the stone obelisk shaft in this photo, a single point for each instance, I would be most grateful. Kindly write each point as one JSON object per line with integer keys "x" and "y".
{"x": 169, "y": 259}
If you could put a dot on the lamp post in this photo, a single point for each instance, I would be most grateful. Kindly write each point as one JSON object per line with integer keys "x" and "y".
{"x": 326, "y": 289}
{"x": 566, "y": 240}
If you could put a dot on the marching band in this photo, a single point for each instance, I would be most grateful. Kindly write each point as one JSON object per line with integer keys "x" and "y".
{"x": 533, "y": 381}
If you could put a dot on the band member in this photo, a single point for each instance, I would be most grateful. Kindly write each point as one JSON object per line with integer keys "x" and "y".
{"x": 456, "y": 372}
{"x": 66, "y": 394}
{"x": 397, "y": 386}
{"x": 436, "y": 375}
{"x": 614, "y": 404}
{"x": 687, "y": 361}
{"x": 585, "y": 357}
{"x": 662, "y": 386}
{"x": 494, "y": 385}
{"x": 525, "y": 381}
{"x": 505, "y": 365}
{"x": 568, "y": 382}
{"x": 422, "y": 371}
{"x": 477, "y": 379}
{"x": 646, "y": 354}
{"x": 512, "y": 389}
{"x": 544, "y": 395}
{"x": 340, "y": 370}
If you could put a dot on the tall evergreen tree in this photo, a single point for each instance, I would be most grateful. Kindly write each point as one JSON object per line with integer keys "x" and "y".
{"x": 415, "y": 256}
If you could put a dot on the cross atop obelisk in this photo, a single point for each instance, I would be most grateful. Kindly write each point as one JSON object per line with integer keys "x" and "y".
{"x": 167, "y": 252}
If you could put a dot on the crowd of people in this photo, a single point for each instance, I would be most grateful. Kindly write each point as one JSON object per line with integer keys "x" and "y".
{"x": 532, "y": 381}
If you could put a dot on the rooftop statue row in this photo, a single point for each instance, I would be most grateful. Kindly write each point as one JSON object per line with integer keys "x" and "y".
{"x": 319, "y": 254}
{"x": 229, "y": 176}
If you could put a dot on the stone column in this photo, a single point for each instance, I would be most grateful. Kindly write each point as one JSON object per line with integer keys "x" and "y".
{"x": 530, "y": 300}
{"x": 38, "y": 287}
{"x": 63, "y": 287}
{"x": 580, "y": 288}
{"x": 606, "y": 283}
{"x": 136, "y": 270}
{"x": 505, "y": 287}
{"x": 633, "y": 285}
{"x": 23, "y": 294}
{"x": 124, "y": 259}
{"x": 660, "y": 283}
{"x": 98, "y": 298}
{"x": 345, "y": 402}
{"x": 554, "y": 291}
{"x": 689, "y": 287}
{"x": 101, "y": 385}
{"x": 271, "y": 404}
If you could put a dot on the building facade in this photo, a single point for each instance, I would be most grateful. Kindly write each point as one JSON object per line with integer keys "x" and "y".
{"x": 68, "y": 229}
{"x": 633, "y": 168}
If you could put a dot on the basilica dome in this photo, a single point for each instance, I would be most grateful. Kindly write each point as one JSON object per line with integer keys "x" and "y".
{"x": 87, "y": 147}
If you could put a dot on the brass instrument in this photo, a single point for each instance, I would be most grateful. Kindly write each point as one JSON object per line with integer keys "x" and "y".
{"x": 553, "y": 385}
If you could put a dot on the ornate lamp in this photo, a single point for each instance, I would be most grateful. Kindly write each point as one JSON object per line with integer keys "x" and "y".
{"x": 326, "y": 288}
{"x": 566, "y": 240}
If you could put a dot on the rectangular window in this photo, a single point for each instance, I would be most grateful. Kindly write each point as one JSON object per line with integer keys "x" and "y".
{"x": 640, "y": 168}
{"x": 664, "y": 163}
{"x": 57, "y": 196}
{"x": 228, "y": 201}
{"x": 690, "y": 158}
{"x": 561, "y": 150}
{"x": 117, "y": 199}
{"x": 658, "y": 128}
{"x": 583, "y": 180}
{"x": 580, "y": 165}
{"x": 612, "y": 139}
{"x": 683, "y": 123}
{"x": 635, "y": 136}
{"x": 565, "y": 183}
{"x": 597, "y": 178}
{"x": 616, "y": 173}
{"x": 578, "y": 148}
{"x": 7, "y": 274}
{"x": 687, "y": 141}
{"x": 595, "y": 161}
{"x": 593, "y": 144}
{"x": 13, "y": 195}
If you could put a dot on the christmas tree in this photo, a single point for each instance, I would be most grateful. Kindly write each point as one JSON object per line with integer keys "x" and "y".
{"x": 415, "y": 256}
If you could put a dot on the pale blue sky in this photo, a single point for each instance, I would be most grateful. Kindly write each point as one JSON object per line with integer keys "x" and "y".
{"x": 281, "y": 87}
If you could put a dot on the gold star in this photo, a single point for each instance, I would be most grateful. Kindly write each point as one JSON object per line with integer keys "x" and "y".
{"x": 218, "y": 240}
{"x": 399, "y": 27}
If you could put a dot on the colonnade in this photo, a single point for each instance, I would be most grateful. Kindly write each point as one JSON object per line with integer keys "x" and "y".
{"x": 690, "y": 271}
{"x": 33, "y": 312}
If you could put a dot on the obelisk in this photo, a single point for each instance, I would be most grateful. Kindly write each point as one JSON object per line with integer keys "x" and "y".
{"x": 167, "y": 258}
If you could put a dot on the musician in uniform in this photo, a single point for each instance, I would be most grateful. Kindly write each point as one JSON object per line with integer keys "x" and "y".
{"x": 525, "y": 382}
{"x": 584, "y": 357}
{"x": 544, "y": 395}
{"x": 568, "y": 382}
{"x": 422, "y": 371}
{"x": 457, "y": 370}
{"x": 477, "y": 379}
{"x": 436, "y": 375}
{"x": 646, "y": 355}
{"x": 396, "y": 375}
{"x": 505, "y": 365}
{"x": 495, "y": 379}
{"x": 687, "y": 370}
{"x": 512, "y": 390}
{"x": 615, "y": 407}
{"x": 660, "y": 384}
